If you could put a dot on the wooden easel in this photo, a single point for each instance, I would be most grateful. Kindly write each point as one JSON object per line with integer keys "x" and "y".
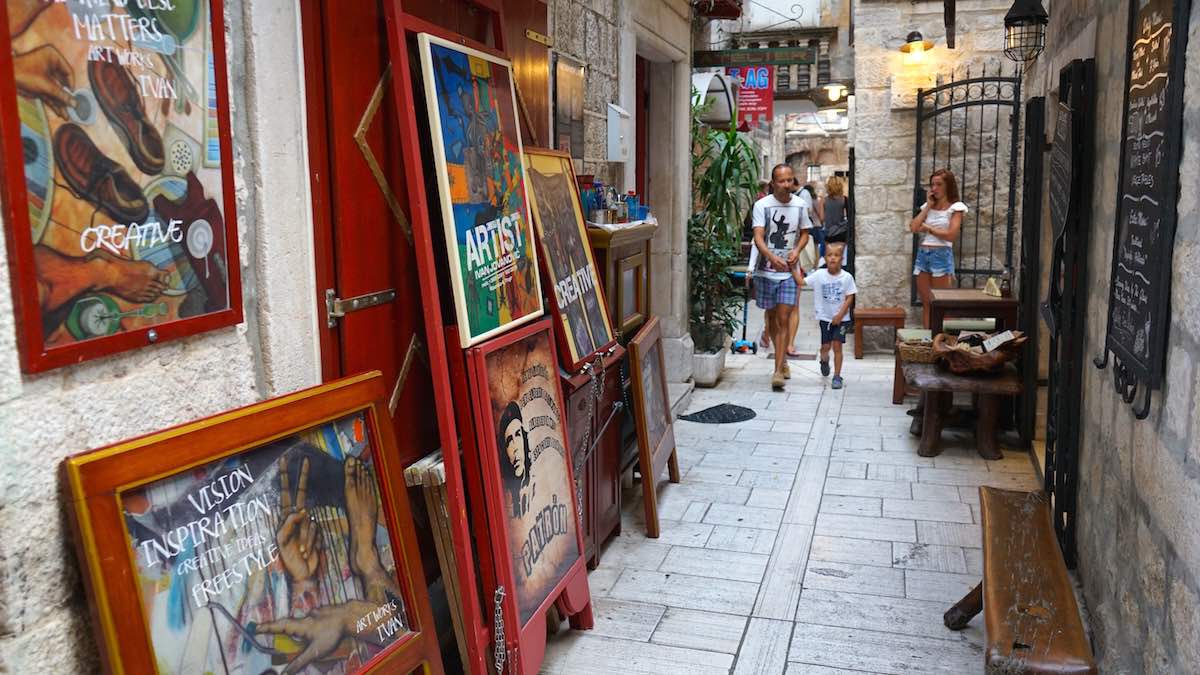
{"x": 448, "y": 372}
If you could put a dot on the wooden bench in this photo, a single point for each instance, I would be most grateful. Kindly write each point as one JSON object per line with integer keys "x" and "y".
{"x": 1029, "y": 611}
{"x": 875, "y": 316}
{"x": 937, "y": 389}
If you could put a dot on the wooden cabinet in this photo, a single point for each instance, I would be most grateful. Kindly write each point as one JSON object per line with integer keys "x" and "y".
{"x": 623, "y": 259}
{"x": 601, "y": 472}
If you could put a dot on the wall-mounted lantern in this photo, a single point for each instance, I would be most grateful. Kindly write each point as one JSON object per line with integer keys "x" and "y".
{"x": 1025, "y": 30}
{"x": 915, "y": 46}
{"x": 835, "y": 91}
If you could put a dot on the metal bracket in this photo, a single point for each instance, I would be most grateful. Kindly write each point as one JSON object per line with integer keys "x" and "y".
{"x": 336, "y": 307}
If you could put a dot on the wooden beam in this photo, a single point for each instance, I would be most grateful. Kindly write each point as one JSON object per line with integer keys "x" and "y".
{"x": 948, "y": 14}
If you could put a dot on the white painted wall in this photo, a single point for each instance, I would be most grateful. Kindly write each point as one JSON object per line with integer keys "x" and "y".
{"x": 662, "y": 34}
{"x": 44, "y": 625}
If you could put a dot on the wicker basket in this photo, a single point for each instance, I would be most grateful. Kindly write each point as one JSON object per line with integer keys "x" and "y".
{"x": 917, "y": 351}
{"x": 963, "y": 363}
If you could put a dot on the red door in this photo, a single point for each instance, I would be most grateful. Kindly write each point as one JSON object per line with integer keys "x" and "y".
{"x": 363, "y": 243}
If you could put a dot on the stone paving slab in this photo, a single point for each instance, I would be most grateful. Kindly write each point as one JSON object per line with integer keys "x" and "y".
{"x": 810, "y": 540}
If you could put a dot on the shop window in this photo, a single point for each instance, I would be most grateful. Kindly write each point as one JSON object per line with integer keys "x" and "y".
{"x": 814, "y": 173}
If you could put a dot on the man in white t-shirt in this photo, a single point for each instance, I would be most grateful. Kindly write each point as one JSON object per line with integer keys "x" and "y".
{"x": 779, "y": 236}
{"x": 833, "y": 296}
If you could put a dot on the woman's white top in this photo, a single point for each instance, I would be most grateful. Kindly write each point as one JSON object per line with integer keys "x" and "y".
{"x": 940, "y": 220}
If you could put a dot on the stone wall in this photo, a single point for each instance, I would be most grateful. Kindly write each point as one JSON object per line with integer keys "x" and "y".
{"x": 1139, "y": 481}
{"x": 588, "y": 31}
{"x": 44, "y": 621}
{"x": 883, "y": 123}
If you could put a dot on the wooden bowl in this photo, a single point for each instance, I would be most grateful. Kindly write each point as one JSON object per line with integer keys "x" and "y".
{"x": 964, "y": 363}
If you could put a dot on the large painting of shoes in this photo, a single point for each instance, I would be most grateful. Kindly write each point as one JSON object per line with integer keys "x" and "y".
{"x": 117, "y": 182}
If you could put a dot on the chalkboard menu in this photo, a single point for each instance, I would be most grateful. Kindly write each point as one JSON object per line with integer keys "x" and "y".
{"x": 1061, "y": 170}
{"x": 1139, "y": 301}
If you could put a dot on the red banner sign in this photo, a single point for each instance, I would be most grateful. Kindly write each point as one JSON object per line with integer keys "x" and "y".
{"x": 756, "y": 95}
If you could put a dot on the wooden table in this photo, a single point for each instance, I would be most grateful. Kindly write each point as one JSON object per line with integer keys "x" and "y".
{"x": 937, "y": 386}
{"x": 971, "y": 303}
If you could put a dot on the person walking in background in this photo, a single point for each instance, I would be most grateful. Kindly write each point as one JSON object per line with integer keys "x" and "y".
{"x": 779, "y": 237}
{"x": 832, "y": 211}
{"x": 940, "y": 221}
{"x": 833, "y": 295}
{"x": 812, "y": 205}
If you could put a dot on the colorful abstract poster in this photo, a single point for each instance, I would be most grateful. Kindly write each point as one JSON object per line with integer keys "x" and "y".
{"x": 568, "y": 256}
{"x": 274, "y": 560}
{"x": 481, "y": 186}
{"x": 539, "y": 516}
{"x": 125, "y": 188}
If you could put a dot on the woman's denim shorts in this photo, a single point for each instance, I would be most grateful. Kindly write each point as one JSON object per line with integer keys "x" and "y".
{"x": 938, "y": 261}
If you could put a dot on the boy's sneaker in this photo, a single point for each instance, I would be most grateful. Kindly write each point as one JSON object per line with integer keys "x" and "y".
{"x": 824, "y": 368}
{"x": 777, "y": 381}
{"x": 837, "y": 382}
{"x": 787, "y": 371}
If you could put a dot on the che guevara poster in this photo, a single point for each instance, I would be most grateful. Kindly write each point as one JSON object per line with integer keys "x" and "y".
{"x": 477, "y": 149}
{"x": 118, "y": 190}
{"x": 525, "y": 419}
{"x": 274, "y": 560}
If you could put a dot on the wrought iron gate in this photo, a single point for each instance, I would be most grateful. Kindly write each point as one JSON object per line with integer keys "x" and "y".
{"x": 971, "y": 126}
{"x": 1065, "y": 310}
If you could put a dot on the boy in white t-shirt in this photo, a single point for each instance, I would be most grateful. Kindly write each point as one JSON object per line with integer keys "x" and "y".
{"x": 833, "y": 294}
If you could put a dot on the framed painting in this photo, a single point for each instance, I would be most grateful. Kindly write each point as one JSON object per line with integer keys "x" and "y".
{"x": 532, "y": 510}
{"x": 570, "y": 270}
{"x": 569, "y": 76}
{"x": 274, "y": 538}
{"x": 652, "y": 412}
{"x": 477, "y": 150}
{"x": 117, "y": 175}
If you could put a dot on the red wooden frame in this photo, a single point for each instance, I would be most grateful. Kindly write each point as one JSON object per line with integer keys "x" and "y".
{"x": 547, "y": 276}
{"x": 97, "y": 479}
{"x": 35, "y": 355}
{"x": 526, "y": 645}
{"x": 401, "y": 27}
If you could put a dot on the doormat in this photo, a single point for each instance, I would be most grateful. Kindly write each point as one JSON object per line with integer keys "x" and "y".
{"x": 725, "y": 413}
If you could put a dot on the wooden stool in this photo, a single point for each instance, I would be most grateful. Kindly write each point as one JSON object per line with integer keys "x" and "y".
{"x": 875, "y": 316}
{"x": 899, "y": 388}
{"x": 1031, "y": 619}
{"x": 937, "y": 391}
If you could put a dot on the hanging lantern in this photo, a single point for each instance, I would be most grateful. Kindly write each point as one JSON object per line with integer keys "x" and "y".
{"x": 835, "y": 91}
{"x": 1025, "y": 30}
{"x": 914, "y": 48}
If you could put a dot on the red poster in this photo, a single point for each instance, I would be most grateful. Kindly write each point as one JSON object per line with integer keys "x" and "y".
{"x": 756, "y": 95}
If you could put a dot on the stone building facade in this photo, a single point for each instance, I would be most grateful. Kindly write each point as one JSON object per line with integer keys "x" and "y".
{"x": 883, "y": 123}
{"x": 1139, "y": 481}
{"x": 609, "y": 36}
{"x": 44, "y": 622}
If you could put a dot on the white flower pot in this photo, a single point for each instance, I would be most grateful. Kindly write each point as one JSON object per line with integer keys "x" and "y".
{"x": 706, "y": 368}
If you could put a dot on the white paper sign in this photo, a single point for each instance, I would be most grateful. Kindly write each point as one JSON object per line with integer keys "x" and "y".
{"x": 995, "y": 341}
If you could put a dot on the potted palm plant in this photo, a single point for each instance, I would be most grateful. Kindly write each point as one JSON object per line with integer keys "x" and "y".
{"x": 725, "y": 171}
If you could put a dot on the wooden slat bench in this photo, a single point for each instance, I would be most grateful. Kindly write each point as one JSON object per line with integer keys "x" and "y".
{"x": 1029, "y": 610}
{"x": 875, "y": 316}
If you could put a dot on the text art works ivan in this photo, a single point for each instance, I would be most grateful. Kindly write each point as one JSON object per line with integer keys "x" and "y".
{"x": 534, "y": 473}
{"x": 116, "y": 175}
{"x": 481, "y": 180}
{"x": 568, "y": 257}
{"x": 274, "y": 560}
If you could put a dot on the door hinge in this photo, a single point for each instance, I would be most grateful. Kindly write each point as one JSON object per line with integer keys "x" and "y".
{"x": 336, "y": 307}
